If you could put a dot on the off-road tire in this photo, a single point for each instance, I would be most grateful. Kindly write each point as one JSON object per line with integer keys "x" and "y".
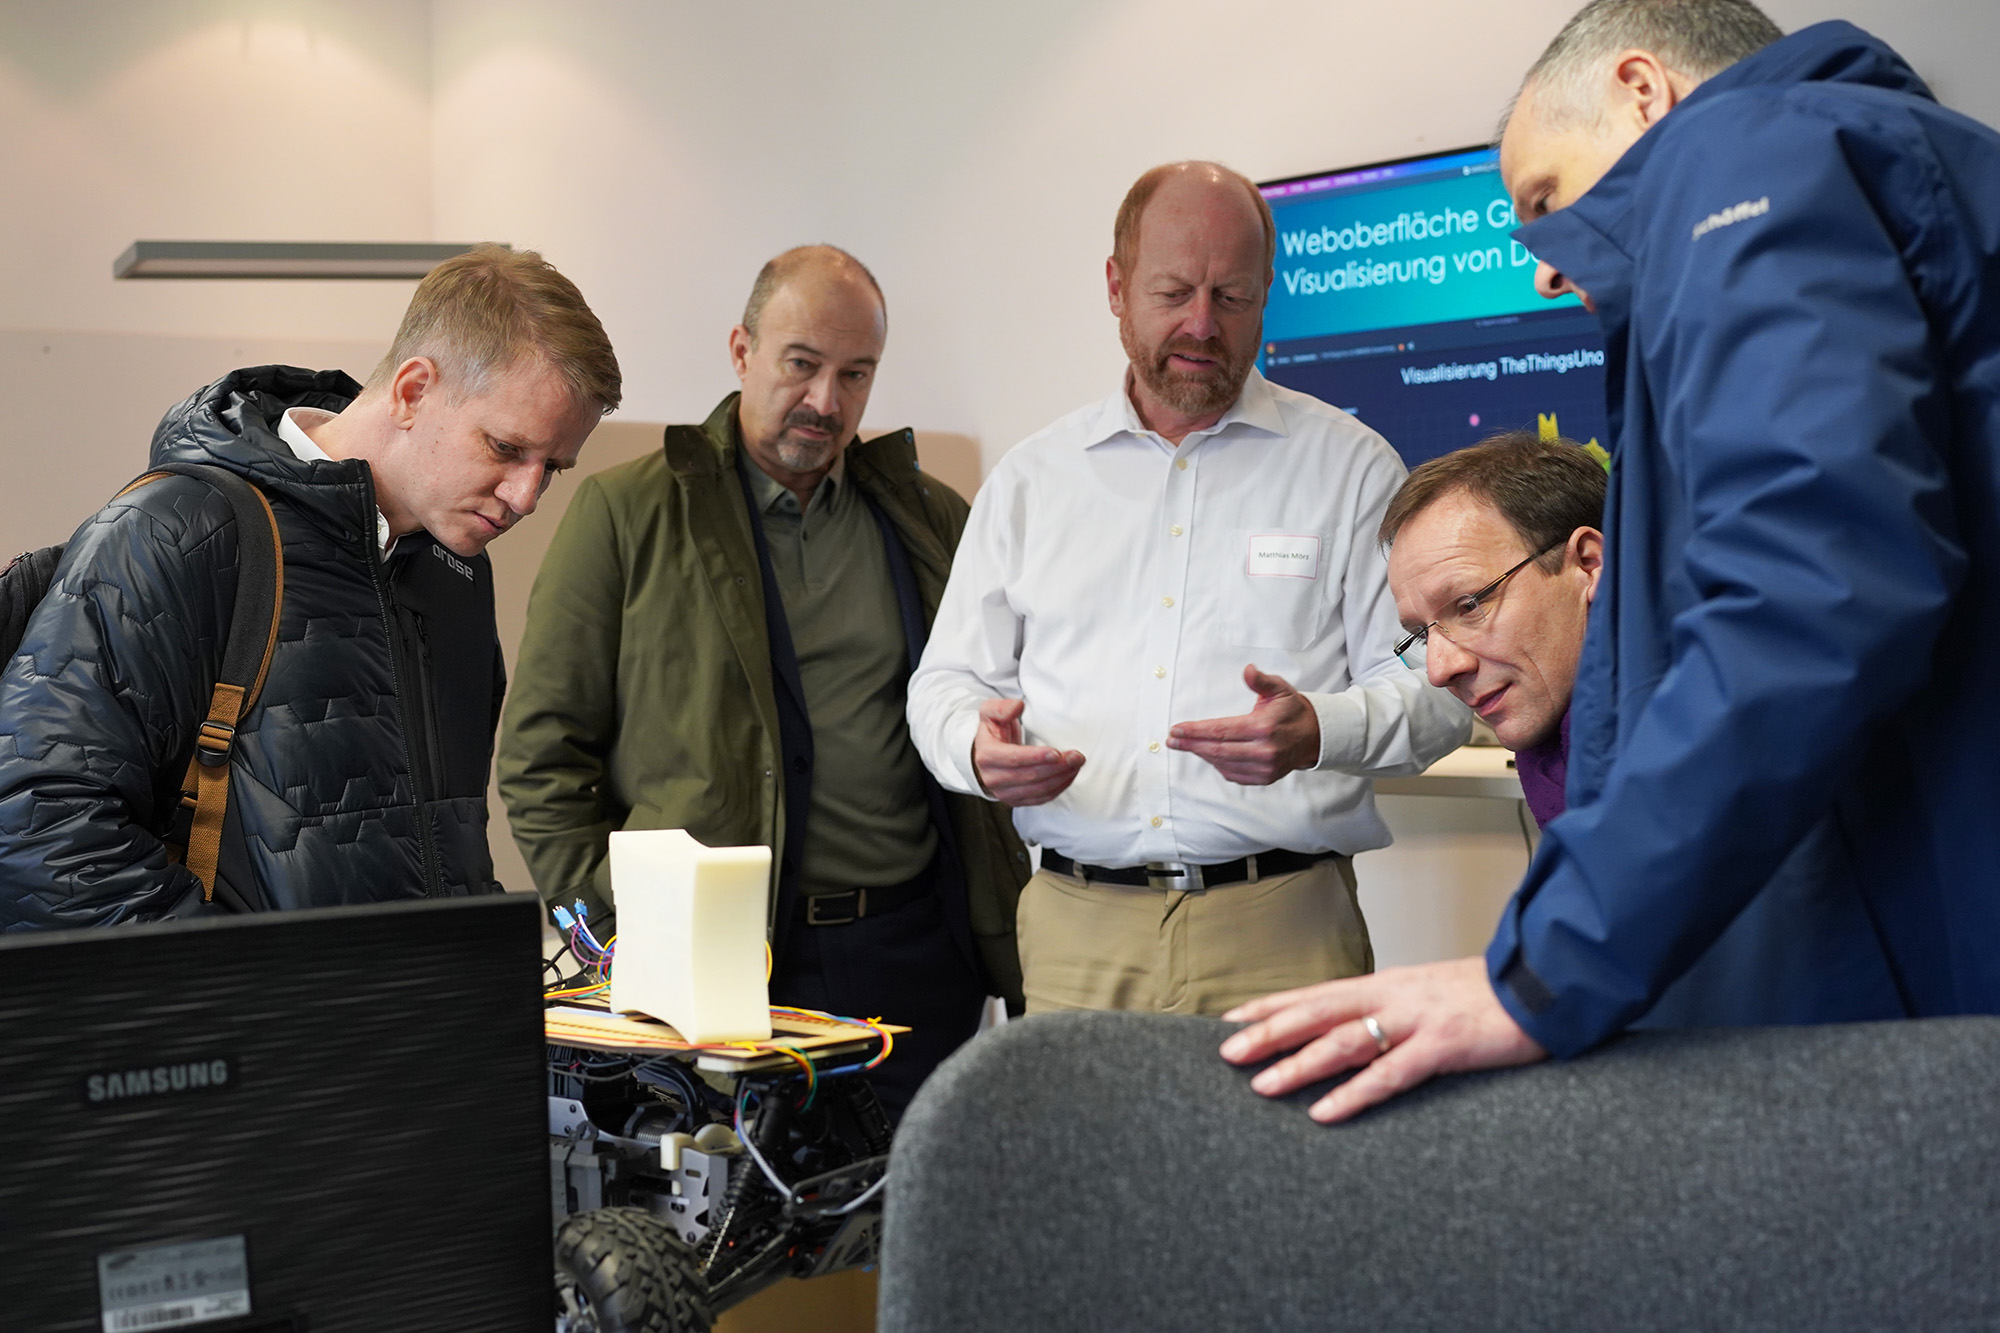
{"x": 631, "y": 1273}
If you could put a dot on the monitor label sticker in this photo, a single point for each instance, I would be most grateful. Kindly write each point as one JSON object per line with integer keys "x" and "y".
{"x": 173, "y": 1286}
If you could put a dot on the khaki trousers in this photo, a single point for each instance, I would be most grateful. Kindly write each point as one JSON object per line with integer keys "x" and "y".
{"x": 1113, "y": 946}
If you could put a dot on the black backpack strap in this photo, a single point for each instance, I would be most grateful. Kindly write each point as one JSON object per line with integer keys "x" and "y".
{"x": 253, "y": 634}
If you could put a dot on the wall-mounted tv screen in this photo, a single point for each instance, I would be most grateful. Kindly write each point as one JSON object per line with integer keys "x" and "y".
{"x": 1401, "y": 296}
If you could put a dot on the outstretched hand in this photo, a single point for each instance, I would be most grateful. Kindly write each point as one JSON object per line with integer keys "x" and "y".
{"x": 1013, "y": 773}
{"x": 1279, "y": 735}
{"x": 1437, "y": 1018}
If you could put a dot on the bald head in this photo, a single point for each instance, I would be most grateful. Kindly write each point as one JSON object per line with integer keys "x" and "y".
{"x": 821, "y": 265}
{"x": 1208, "y": 183}
{"x": 806, "y": 354}
{"x": 1187, "y": 280}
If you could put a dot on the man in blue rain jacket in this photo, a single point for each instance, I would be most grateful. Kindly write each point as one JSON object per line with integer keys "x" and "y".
{"x": 1790, "y": 661}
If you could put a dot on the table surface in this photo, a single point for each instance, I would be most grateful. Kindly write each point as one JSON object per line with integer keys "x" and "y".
{"x": 1471, "y": 770}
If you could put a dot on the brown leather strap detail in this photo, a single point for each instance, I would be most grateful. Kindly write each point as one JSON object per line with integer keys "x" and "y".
{"x": 211, "y": 784}
{"x": 137, "y": 482}
{"x": 206, "y": 785}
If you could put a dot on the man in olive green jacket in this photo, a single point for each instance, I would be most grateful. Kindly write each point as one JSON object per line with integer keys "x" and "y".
{"x": 720, "y": 639}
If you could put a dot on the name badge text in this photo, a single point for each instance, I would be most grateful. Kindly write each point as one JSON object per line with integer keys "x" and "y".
{"x": 1282, "y": 555}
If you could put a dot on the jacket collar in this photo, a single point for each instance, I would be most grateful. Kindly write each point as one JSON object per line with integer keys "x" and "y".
{"x": 1256, "y": 408}
{"x": 1832, "y": 52}
{"x": 712, "y": 451}
{"x": 1592, "y": 241}
{"x": 233, "y": 424}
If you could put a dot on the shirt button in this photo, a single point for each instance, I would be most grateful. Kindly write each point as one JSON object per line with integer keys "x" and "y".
{"x": 1157, "y": 821}
{"x": 1166, "y": 601}
{"x": 1175, "y": 530}
{"x": 1159, "y": 672}
{"x": 1181, "y": 463}
{"x": 1154, "y": 747}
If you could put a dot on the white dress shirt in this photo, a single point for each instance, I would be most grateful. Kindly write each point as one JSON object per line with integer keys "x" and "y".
{"x": 1119, "y": 585}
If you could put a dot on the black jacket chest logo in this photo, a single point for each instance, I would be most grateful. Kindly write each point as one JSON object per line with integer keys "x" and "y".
{"x": 452, "y": 562}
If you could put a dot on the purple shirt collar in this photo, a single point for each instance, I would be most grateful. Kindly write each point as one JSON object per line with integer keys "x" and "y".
{"x": 1544, "y": 771}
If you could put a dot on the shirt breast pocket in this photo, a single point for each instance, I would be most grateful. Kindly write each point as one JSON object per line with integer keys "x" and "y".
{"x": 1276, "y": 589}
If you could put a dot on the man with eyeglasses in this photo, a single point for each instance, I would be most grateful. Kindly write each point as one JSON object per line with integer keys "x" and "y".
{"x": 1509, "y": 649}
{"x": 1499, "y": 629}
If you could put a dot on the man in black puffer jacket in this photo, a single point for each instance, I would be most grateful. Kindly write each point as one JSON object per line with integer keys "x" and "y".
{"x": 360, "y": 773}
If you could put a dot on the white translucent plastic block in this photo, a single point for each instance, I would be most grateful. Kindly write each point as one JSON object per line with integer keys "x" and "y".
{"x": 691, "y": 934}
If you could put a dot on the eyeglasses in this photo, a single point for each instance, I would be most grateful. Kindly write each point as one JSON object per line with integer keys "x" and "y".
{"x": 1464, "y": 613}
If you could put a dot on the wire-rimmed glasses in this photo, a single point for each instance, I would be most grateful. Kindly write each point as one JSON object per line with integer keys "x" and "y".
{"x": 1464, "y": 613}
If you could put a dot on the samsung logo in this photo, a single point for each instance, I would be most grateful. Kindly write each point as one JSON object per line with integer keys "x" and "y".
{"x": 123, "y": 1084}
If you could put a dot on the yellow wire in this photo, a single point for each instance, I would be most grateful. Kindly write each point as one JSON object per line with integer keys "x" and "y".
{"x": 888, "y": 1041}
{"x": 873, "y": 1024}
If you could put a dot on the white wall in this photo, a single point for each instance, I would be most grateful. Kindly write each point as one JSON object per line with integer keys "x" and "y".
{"x": 186, "y": 119}
{"x": 208, "y": 119}
{"x": 973, "y": 155}
{"x": 659, "y": 150}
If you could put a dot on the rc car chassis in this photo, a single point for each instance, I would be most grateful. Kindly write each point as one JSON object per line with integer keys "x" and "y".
{"x": 683, "y": 1185}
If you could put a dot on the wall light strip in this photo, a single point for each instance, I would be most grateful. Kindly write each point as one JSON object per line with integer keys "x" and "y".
{"x": 281, "y": 259}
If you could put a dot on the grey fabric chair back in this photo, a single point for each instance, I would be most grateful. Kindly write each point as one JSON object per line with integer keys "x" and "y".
{"x": 1109, "y": 1171}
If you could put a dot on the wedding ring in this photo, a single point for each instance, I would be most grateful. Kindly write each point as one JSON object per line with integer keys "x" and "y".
{"x": 1375, "y": 1031}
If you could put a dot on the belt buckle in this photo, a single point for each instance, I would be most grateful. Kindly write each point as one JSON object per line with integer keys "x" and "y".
{"x": 813, "y": 918}
{"x": 1169, "y": 876}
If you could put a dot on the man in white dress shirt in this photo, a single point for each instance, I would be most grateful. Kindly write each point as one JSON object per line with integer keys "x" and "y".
{"x": 1166, "y": 643}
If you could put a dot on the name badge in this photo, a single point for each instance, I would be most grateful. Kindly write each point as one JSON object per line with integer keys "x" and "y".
{"x": 1282, "y": 555}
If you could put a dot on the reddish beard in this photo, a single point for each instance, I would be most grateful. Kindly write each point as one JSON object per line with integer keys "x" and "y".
{"x": 1191, "y": 393}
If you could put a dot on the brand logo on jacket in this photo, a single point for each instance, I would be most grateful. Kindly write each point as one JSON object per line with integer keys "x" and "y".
{"x": 116, "y": 1085}
{"x": 1729, "y": 217}
{"x": 458, "y": 566}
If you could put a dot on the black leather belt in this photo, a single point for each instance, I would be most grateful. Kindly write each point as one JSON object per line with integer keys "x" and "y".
{"x": 1180, "y": 875}
{"x": 840, "y": 909}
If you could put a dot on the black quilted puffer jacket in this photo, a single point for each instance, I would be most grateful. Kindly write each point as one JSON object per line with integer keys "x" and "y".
{"x": 360, "y": 774}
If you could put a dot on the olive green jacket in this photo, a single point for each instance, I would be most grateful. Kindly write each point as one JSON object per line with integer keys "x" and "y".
{"x": 643, "y": 694}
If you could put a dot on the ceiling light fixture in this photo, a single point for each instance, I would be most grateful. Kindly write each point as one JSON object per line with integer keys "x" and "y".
{"x": 282, "y": 259}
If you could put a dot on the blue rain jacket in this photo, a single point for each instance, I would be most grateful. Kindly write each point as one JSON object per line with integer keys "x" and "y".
{"x": 1794, "y": 658}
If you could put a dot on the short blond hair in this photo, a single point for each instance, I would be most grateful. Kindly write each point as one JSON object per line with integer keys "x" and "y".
{"x": 478, "y": 313}
{"x": 1125, "y": 230}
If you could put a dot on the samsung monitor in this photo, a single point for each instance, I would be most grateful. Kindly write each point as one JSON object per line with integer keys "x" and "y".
{"x": 327, "y": 1121}
{"x": 1401, "y": 296}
